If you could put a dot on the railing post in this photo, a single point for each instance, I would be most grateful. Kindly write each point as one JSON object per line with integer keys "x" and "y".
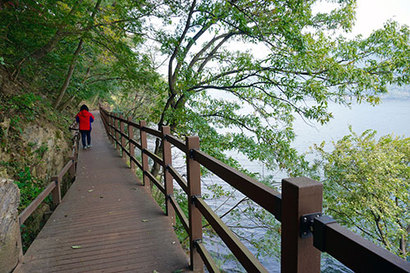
{"x": 144, "y": 157}
{"x": 56, "y": 193}
{"x": 112, "y": 131}
{"x": 109, "y": 122}
{"x": 168, "y": 180}
{"x": 122, "y": 137}
{"x": 117, "y": 135}
{"x": 300, "y": 196}
{"x": 72, "y": 168}
{"x": 195, "y": 217}
{"x": 130, "y": 145}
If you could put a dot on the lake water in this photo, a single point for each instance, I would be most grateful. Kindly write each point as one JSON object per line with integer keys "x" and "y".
{"x": 391, "y": 116}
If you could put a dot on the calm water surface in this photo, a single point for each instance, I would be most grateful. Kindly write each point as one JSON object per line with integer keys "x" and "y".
{"x": 392, "y": 116}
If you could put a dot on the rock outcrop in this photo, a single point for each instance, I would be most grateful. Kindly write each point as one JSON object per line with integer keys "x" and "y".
{"x": 10, "y": 245}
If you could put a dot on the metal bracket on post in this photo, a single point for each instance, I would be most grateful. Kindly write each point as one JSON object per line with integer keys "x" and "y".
{"x": 169, "y": 196}
{"x": 197, "y": 242}
{"x": 306, "y": 224}
{"x": 195, "y": 197}
{"x": 191, "y": 153}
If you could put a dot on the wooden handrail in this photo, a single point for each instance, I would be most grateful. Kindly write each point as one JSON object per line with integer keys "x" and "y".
{"x": 266, "y": 197}
{"x": 244, "y": 256}
{"x": 153, "y": 132}
{"x": 35, "y": 203}
{"x": 54, "y": 186}
{"x": 176, "y": 142}
{"x": 153, "y": 157}
{"x": 299, "y": 196}
{"x": 181, "y": 181}
{"x": 155, "y": 181}
{"x": 179, "y": 212}
{"x": 352, "y": 250}
{"x": 136, "y": 144}
{"x": 65, "y": 169}
{"x": 206, "y": 257}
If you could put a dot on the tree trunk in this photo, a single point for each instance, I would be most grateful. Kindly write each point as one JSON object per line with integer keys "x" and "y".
{"x": 69, "y": 75}
{"x": 73, "y": 61}
{"x": 157, "y": 151}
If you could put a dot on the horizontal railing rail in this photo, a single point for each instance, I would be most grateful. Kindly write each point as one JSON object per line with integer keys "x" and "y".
{"x": 352, "y": 250}
{"x": 266, "y": 197}
{"x": 305, "y": 231}
{"x": 35, "y": 203}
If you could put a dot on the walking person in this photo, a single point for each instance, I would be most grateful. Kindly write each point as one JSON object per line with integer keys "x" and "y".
{"x": 84, "y": 117}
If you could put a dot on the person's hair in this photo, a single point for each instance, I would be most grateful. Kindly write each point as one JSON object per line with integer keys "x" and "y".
{"x": 83, "y": 107}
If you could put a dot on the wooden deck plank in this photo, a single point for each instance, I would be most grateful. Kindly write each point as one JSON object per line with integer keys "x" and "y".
{"x": 108, "y": 213}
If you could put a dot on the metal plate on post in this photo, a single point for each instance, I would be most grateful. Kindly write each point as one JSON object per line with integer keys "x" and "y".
{"x": 306, "y": 224}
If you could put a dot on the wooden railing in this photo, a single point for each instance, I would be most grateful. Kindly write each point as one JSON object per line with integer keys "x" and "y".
{"x": 305, "y": 231}
{"x": 55, "y": 185}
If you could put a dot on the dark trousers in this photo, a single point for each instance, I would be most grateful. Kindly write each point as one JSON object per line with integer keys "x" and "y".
{"x": 85, "y": 134}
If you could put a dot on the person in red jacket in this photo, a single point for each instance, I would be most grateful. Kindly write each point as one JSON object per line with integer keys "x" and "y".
{"x": 85, "y": 118}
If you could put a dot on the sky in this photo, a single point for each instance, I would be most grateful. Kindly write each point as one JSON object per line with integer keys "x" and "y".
{"x": 372, "y": 14}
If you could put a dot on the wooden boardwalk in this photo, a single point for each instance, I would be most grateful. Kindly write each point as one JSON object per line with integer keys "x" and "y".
{"x": 106, "y": 222}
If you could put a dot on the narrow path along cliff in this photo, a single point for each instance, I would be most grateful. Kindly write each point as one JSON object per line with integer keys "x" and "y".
{"x": 106, "y": 222}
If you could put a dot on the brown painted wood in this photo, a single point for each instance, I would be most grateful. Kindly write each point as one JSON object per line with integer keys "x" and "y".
{"x": 168, "y": 180}
{"x": 152, "y": 132}
{"x": 207, "y": 258}
{"x": 181, "y": 181}
{"x": 180, "y": 213}
{"x": 176, "y": 142}
{"x": 56, "y": 193}
{"x": 195, "y": 217}
{"x": 300, "y": 196}
{"x": 357, "y": 253}
{"x": 36, "y": 202}
{"x": 144, "y": 156}
{"x": 244, "y": 256}
{"x": 106, "y": 212}
{"x": 131, "y": 146}
{"x": 264, "y": 196}
{"x": 122, "y": 128}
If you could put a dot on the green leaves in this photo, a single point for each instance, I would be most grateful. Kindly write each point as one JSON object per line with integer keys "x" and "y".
{"x": 367, "y": 186}
{"x": 269, "y": 60}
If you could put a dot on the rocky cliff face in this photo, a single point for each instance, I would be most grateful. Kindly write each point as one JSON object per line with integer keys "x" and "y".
{"x": 9, "y": 227}
{"x": 44, "y": 149}
{"x": 51, "y": 146}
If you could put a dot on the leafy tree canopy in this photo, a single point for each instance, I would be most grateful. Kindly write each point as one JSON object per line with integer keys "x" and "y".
{"x": 250, "y": 66}
{"x": 366, "y": 186}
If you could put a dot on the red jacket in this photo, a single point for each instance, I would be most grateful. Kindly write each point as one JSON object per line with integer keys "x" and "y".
{"x": 84, "y": 118}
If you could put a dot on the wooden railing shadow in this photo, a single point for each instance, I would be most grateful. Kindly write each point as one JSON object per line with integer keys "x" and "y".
{"x": 305, "y": 231}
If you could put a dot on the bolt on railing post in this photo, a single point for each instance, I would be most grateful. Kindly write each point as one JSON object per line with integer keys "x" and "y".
{"x": 300, "y": 196}
{"x": 56, "y": 193}
{"x": 144, "y": 156}
{"x": 122, "y": 129}
{"x": 195, "y": 217}
{"x": 168, "y": 180}
{"x": 130, "y": 145}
